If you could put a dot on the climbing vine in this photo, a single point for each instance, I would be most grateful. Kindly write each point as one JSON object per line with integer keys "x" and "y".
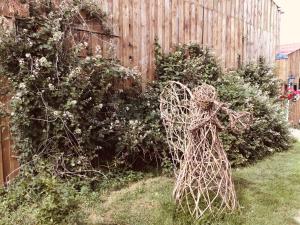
{"x": 64, "y": 106}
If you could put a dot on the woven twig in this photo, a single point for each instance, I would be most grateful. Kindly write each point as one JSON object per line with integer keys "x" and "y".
{"x": 202, "y": 170}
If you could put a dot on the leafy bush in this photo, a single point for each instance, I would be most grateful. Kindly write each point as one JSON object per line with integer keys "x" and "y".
{"x": 262, "y": 76}
{"x": 253, "y": 88}
{"x": 41, "y": 199}
{"x": 269, "y": 131}
{"x": 74, "y": 112}
{"x": 47, "y": 199}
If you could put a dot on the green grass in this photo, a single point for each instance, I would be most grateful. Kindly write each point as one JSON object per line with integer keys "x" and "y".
{"x": 268, "y": 192}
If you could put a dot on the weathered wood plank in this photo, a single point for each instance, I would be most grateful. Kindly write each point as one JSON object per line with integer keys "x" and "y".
{"x": 187, "y": 22}
{"x": 167, "y": 27}
{"x": 1, "y": 159}
{"x": 175, "y": 24}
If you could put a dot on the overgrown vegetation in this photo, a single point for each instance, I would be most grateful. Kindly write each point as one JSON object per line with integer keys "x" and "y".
{"x": 85, "y": 119}
{"x": 253, "y": 88}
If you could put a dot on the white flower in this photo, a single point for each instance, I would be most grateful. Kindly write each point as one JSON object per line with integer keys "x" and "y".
{"x": 127, "y": 108}
{"x": 12, "y": 114}
{"x": 87, "y": 58}
{"x": 78, "y": 131}
{"x": 85, "y": 44}
{"x": 28, "y": 55}
{"x": 21, "y": 61}
{"x": 56, "y": 113}
{"x": 74, "y": 102}
{"x": 51, "y": 86}
{"x": 100, "y": 106}
{"x": 69, "y": 114}
{"x": 43, "y": 61}
{"x": 57, "y": 36}
{"x": 22, "y": 86}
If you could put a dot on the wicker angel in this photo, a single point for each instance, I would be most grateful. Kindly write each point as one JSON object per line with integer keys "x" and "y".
{"x": 202, "y": 170}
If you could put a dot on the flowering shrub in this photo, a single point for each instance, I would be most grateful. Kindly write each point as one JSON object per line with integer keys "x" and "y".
{"x": 68, "y": 110}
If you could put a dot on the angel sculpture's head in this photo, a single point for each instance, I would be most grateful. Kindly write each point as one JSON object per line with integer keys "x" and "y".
{"x": 204, "y": 96}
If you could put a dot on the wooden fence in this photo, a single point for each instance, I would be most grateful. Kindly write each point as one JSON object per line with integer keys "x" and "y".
{"x": 237, "y": 30}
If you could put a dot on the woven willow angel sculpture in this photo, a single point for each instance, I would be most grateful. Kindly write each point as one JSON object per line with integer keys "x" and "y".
{"x": 202, "y": 170}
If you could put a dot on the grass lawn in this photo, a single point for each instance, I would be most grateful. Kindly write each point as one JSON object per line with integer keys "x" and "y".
{"x": 268, "y": 192}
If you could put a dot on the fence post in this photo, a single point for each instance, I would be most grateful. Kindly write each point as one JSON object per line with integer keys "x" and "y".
{"x": 1, "y": 158}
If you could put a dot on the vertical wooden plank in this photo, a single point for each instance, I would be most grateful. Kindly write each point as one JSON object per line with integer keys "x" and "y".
{"x": 271, "y": 29}
{"x": 237, "y": 32}
{"x": 160, "y": 22}
{"x": 199, "y": 20}
{"x": 121, "y": 50}
{"x": 1, "y": 159}
{"x": 228, "y": 33}
{"x": 254, "y": 29}
{"x": 95, "y": 39}
{"x": 136, "y": 33}
{"x": 220, "y": 30}
{"x": 250, "y": 42}
{"x": 255, "y": 36}
{"x": 274, "y": 30}
{"x": 125, "y": 27}
{"x": 6, "y": 149}
{"x": 131, "y": 60}
{"x": 149, "y": 42}
{"x": 193, "y": 21}
{"x": 167, "y": 28}
{"x": 233, "y": 30}
{"x": 244, "y": 40}
{"x": 210, "y": 23}
{"x": 258, "y": 28}
{"x": 144, "y": 45}
{"x": 181, "y": 22}
{"x": 224, "y": 32}
{"x": 240, "y": 29}
{"x": 175, "y": 24}
{"x": 153, "y": 29}
{"x": 215, "y": 31}
{"x": 116, "y": 29}
{"x": 187, "y": 22}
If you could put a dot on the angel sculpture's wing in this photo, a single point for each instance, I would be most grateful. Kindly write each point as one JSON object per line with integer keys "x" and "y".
{"x": 175, "y": 112}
